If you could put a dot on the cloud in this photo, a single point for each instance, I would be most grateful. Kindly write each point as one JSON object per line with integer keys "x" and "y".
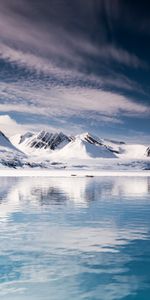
{"x": 11, "y": 127}
{"x": 63, "y": 61}
{"x": 122, "y": 56}
{"x": 43, "y": 65}
{"x": 67, "y": 101}
{"x": 44, "y": 42}
{"x": 39, "y": 44}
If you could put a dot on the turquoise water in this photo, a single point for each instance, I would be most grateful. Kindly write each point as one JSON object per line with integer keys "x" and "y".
{"x": 75, "y": 238}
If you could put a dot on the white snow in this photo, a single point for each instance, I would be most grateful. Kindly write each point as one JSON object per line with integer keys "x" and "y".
{"x": 40, "y": 143}
{"x": 82, "y": 152}
{"x": 80, "y": 149}
{"x": 82, "y": 146}
{"x": 133, "y": 151}
{"x": 10, "y": 156}
{"x": 4, "y": 142}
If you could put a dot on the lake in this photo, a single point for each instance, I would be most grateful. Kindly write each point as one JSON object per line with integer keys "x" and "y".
{"x": 75, "y": 238}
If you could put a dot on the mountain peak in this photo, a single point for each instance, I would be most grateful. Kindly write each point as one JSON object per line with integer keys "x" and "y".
{"x": 50, "y": 144}
{"x": 90, "y": 138}
{"x": 43, "y": 140}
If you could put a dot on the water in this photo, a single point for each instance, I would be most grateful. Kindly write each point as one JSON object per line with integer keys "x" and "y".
{"x": 75, "y": 238}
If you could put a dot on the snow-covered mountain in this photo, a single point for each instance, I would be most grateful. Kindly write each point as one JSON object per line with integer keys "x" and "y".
{"x": 112, "y": 146}
{"x": 59, "y": 146}
{"x": 39, "y": 143}
{"x": 5, "y": 142}
{"x": 10, "y": 156}
{"x": 46, "y": 150}
{"x": 84, "y": 146}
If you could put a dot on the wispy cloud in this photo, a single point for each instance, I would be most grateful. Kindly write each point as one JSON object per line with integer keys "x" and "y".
{"x": 38, "y": 44}
{"x": 68, "y": 101}
{"x": 40, "y": 39}
{"x": 77, "y": 66}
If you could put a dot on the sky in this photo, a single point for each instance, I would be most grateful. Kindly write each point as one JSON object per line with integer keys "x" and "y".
{"x": 76, "y": 66}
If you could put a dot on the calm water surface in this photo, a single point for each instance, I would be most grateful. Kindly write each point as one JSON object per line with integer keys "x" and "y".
{"x": 75, "y": 238}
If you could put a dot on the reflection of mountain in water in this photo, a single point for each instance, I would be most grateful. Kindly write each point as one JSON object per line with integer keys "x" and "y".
{"x": 51, "y": 195}
{"x": 72, "y": 231}
{"x": 16, "y": 192}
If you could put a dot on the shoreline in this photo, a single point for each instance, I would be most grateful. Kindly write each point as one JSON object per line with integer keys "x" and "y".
{"x": 72, "y": 173}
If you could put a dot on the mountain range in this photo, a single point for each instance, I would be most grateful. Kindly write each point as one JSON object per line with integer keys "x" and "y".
{"x": 44, "y": 149}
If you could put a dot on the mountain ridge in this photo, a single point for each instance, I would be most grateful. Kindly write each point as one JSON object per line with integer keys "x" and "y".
{"x": 48, "y": 142}
{"x": 46, "y": 150}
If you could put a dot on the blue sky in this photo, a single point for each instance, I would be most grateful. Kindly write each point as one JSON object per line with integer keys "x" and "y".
{"x": 75, "y": 66}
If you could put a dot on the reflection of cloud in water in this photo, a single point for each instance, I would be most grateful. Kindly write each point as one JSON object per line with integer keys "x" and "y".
{"x": 131, "y": 186}
{"x": 65, "y": 233}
